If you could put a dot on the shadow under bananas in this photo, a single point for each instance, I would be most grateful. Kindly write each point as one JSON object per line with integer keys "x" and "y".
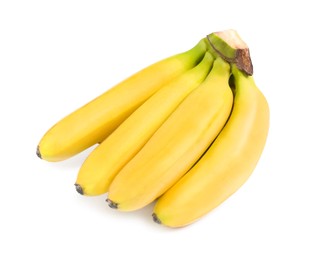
{"x": 75, "y": 162}
{"x": 98, "y": 205}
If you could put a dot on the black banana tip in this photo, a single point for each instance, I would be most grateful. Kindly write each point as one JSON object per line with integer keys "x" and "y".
{"x": 79, "y": 189}
{"x": 156, "y": 219}
{"x": 38, "y": 152}
{"x": 112, "y": 204}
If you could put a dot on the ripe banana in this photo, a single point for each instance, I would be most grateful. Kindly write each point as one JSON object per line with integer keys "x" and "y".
{"x": 226, "y": 165}
{"x": 102, "y": 165}
{"x": 177, "y": 144}
{"x": 93, "y": 122}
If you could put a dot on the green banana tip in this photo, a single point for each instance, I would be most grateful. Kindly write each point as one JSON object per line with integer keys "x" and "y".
{"x": 112, "y": 204}
{"x": 156, "y": 219}
{"x": 79, "y": 188}
{"x": 38, "y": 152}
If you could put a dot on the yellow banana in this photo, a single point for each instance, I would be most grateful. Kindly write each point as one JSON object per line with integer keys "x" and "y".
{"x": 93, "y": 122}
{"x": 102, "y": 165}
{"x": 177, "y": 144}
{"x": 226, "y": 165}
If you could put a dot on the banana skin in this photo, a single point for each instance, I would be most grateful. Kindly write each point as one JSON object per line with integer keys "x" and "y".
{"x": 177, "y": 144}
{"x": 96, "y": 120}
{"x": 103, "y": 163}
{"x": 227, "y": 164}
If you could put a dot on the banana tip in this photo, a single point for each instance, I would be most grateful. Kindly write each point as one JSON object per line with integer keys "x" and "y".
{"x": 112, "y": 204}
{"x": 79, "y": 189}
{"x": 156, "y": 219}
{"x": 38, "y": 152}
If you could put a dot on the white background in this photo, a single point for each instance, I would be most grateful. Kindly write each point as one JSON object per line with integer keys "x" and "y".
{"x": 57, "y": 55}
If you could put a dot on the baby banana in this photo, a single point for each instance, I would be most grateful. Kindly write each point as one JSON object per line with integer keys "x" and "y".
{"x": 102, "y": 165}
{"x": 93, "y": 122}
{"x": 226, "y": 165}
{"x": 177, "y": 144}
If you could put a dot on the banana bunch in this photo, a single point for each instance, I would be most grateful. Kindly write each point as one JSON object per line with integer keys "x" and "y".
{"x": 186, "y": 132}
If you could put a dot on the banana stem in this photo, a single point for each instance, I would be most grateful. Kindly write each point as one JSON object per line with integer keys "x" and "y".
{"x": 229, "y": 46}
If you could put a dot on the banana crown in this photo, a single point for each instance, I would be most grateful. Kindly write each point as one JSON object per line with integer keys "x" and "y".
{"x": 229, "y": 45}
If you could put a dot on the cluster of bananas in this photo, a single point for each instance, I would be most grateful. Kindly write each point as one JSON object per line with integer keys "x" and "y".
{"x": 186, "y": 131}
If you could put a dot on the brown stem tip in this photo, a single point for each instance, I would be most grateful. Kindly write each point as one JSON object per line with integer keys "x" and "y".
{"x": 156, "y": 219}
{"x": 38, "y": 152}
{"x": 229, "y": 45}
{"x": 112, "y": 204}
{"x": 79, "y": 189}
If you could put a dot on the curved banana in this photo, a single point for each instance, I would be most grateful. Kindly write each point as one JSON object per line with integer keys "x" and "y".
{"x": 227, "y": 164}
{"x": 102, "y": 165}
{"x": 177, "y": 144}
{"x": 93, "y": 122}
